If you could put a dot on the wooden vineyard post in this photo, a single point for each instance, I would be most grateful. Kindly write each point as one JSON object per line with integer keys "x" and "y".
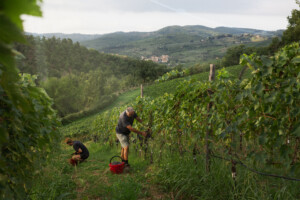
{"x": 146, "y": 140}
{"x": 142, "y": 91}
{"x": 212, "y": 72}
{"x": 209, "y": 131}
{"x": 241, "y": 134}
{"x": 233, "y": 163}
{"x": 150, "y": 132}
{"x": 195, "y": 153}
{"x": 241, "y": 142}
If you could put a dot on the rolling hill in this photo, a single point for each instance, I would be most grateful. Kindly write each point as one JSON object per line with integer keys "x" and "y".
{"x": 182, "y": 44}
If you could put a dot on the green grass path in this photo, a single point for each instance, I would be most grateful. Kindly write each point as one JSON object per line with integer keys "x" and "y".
{"x": 81, "y": 124}
{"x": 123, "y": 99}
{"x": 92, "y": 179}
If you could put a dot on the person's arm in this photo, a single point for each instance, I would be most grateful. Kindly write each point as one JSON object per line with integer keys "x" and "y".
{"x": 143, "y": 133}
{"x": 139, "y": 120}
{"x": 77, "y": 149}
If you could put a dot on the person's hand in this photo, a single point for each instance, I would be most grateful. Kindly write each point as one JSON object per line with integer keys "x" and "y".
{"x": 144, "y": 133}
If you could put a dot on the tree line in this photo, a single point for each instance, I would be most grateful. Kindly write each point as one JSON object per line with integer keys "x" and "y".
{"x": 291, "y": 34}
{"x": 81, "y": 80}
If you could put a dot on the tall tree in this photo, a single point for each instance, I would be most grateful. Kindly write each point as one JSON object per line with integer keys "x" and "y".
{"x": 292, "y": 33}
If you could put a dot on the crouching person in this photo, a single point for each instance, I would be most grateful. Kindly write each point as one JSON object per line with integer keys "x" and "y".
{"x": 81, "y": 152}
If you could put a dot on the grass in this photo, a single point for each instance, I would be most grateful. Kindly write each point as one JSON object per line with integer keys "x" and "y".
{"x": 124, "y": 98}
{"x": 92, "y": 178}
{"x": 82, "y": 126}
{"x": 173, "y": 177}
{"x": 181, "y": 176}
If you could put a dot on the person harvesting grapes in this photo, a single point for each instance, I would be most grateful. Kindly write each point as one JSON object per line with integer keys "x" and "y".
{"x": 123, "y": 130}
{"x": 81, "y": 152}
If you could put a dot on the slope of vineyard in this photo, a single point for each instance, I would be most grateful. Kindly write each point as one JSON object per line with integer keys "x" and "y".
{"x": 82, "y": 127}
{"x": 250, "y": 125}
{"x": 170, "y": 86}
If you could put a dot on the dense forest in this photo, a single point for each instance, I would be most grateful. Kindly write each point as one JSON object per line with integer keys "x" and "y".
{"x": 78, "y": 79}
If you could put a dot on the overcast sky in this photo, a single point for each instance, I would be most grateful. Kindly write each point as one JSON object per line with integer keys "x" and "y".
{"x": 106, "y": 16}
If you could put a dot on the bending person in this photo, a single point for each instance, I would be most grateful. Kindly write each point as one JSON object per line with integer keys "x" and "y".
{"x": 81, "y": 152}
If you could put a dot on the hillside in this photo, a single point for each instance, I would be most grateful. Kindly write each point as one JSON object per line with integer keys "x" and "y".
{"x": 82, "y": 126}
{"x": 182, "y": 158}
{"x": 181, "y": 45}
{"x": 90, "y": 80}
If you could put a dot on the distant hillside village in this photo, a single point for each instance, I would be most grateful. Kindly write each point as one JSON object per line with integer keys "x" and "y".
{"x": 161, "y": 59}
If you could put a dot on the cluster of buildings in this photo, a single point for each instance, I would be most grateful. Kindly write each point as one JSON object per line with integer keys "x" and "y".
{"x": 161, "y": 59}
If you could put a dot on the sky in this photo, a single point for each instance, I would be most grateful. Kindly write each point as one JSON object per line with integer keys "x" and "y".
{"x": 107, "y": 16}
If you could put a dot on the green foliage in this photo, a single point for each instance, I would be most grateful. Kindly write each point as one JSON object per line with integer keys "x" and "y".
{"x": 232, "y": 56}
{"x": 275, "y": 45}
{"x": 28, "y": 122}
{"x": 105, "y": 101}
{"x": 54, "y": 179}
{"x": 81, "y": 81}
{"x": 159, "y": 89}
{"x": 80, "y": 93}
{"x": 28, "y": 129}
{"x": 292, "y": 33}
{"x": 189, "y": 180}
{"x": 264, "y": 108}
{"x": 55, "y": 58}
{"x": 273, "y": 94}
{"x": 82, "y": 128}
{"x": 223, "y": 74}
{"x": 173, "y": 74}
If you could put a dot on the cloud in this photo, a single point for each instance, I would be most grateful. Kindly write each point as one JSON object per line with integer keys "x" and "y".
{"x": 92, "y": 23}
{"x": 104, "y": 16}
{"x": 266, "y": 7}
{"x": 261, "y": 7}
{"x": 170, "y": 8}
{"x": 101, "y": 6}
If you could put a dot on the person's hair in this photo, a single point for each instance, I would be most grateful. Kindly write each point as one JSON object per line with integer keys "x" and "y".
{"x": 130, "y": 109}
{"x": 68, "y": 140}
